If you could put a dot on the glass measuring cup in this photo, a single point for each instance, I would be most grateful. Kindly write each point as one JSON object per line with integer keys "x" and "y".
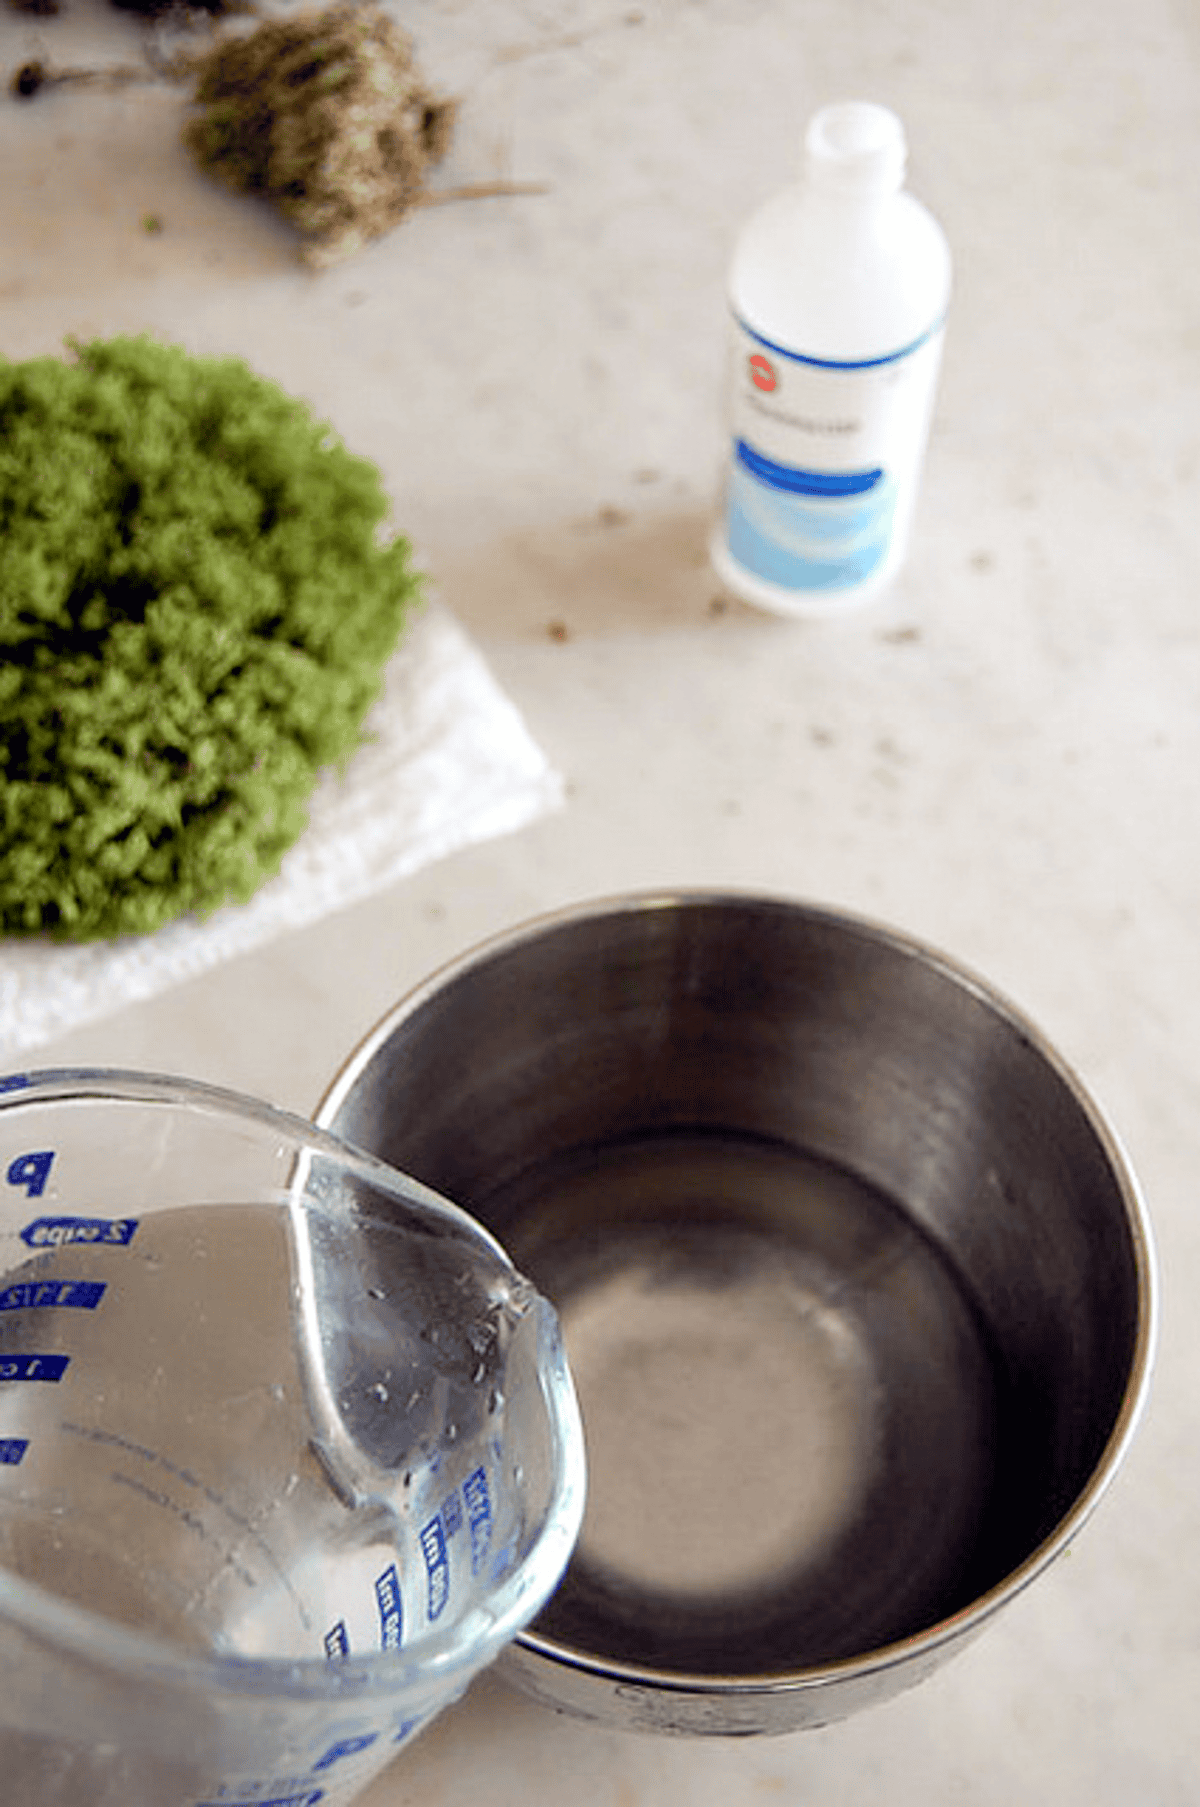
{"x": 288, "y": 1450}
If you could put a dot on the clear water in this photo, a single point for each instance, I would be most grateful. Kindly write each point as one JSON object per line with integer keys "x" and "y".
{"x": 164, "y": 1467}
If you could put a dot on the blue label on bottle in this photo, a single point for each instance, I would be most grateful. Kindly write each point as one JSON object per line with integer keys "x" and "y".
{"x": 824, "y": 460}
{"x": 795, "y": 482}
{"x": 808, "y": 530}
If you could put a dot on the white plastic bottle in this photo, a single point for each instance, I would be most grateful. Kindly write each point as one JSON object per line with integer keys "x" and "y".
{"x": 839, "y": 289}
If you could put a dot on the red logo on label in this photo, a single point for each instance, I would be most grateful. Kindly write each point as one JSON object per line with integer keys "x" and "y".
{"x": 762, "y": 373}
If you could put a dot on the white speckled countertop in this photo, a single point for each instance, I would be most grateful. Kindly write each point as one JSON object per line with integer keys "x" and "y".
{"x": 1003, "y": 756}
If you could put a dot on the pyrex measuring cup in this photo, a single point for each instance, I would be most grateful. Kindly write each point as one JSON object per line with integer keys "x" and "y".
{"x": 288, "y": 1450}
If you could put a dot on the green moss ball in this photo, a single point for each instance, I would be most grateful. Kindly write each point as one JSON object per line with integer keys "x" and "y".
{"x": 195, "y": 610}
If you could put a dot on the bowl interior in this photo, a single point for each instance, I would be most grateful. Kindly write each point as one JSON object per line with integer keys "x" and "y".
{"x": 847, "y": 1267}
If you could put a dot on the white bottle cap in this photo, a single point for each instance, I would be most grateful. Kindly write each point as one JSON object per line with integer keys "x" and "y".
{"x": 855, "y": 147}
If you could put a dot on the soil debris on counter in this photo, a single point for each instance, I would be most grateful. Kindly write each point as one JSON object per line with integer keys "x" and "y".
{"x": 160, "y": 63}
{"x": 35, "y": 75}
{"x": 155, "y": 9}
{"x": 150, "y": 9}
{"x": 28, "y": 79}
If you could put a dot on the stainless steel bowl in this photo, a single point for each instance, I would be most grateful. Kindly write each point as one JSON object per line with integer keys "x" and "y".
{"x": 856, "y": 1284}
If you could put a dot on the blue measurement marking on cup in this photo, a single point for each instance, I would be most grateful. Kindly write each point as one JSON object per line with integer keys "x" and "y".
{"x": 479, "y": 1515}
{"x": 47, "y": 1295}
{"x": 59, "y": 1232}
{"x": 502, "y": 1561}
{"x": 12, "y": 1450}
{"x": 391, "y": 1610}
{"x": 437, "y": 1565}
{"x": 291, "y": 1791}
{"x": 345, "y": 1747}
{"x": 33, "y": 1367}
{"x": 308, "y": 1797}
{"x": 31, "y": 1171}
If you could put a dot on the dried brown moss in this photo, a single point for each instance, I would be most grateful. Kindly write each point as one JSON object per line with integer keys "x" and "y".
{"x": 326, "y": 115}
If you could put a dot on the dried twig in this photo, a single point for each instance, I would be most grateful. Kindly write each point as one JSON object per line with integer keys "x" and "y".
{"x": 35, "y": 75}
{"x": 478, "y": 191}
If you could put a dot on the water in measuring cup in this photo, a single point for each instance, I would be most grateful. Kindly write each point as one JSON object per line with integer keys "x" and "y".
{"x": 160, "y": 1462}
